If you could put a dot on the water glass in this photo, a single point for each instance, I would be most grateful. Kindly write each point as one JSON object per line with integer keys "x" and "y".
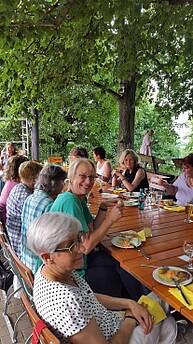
{"x": 159, "y": 195}
{"x": 188, "y": 249}
{"x": 189, "y": 212}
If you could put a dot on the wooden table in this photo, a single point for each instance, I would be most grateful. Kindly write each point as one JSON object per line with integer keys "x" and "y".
{"x": 165, "y": 246}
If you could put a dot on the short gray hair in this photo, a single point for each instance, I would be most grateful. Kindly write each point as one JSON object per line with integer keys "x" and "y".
{"x": 49, "y": 230}
{"x": 76, "y": 163}
{"x": 49, "y": 178}
{"x": 128, "y": 152}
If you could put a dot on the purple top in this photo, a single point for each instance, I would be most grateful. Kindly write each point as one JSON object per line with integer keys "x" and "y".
{"x": 3, "y": 198}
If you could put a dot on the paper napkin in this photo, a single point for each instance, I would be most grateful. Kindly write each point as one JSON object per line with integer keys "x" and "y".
{"x": 153, "y": 307}
{"x": 188, "y": 291}
{"x": 173, "y": 208}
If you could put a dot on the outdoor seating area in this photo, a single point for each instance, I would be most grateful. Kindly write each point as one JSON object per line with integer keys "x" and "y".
{"x": 96, "y": 172}
{"x": 157, "y": 228}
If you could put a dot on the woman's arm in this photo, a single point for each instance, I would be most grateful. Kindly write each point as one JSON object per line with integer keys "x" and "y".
{"x": 92, "y": 334}
{"x": 170, "y": 189}
{"x": 106, "y": 171}
{"x": 138, "y": 311}
{"x": 97, "y": 235}
{"x": 140, "y": 175}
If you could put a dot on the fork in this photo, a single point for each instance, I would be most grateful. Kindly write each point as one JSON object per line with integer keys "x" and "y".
{"x": 178, "y": 286}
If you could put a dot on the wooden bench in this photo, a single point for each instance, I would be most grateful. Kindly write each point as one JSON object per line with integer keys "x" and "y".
{"x": 150, "y": 162}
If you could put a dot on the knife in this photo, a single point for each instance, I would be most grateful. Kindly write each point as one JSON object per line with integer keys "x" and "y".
{"x": 178, "y": 286}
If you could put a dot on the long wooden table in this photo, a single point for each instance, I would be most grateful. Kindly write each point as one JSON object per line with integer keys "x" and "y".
{"x": 165, "y": 246}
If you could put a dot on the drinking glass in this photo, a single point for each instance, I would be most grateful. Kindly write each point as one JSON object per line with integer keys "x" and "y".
{"x": 188, "y": 211}
{"x": 159, "y": 196}
{"x": 188, "y": 249}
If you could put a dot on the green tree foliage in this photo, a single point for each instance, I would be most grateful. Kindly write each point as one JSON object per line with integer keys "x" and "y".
{"x": 53, "y": 51}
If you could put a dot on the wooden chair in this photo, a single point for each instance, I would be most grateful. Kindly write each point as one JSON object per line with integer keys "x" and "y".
{"x": 25, "y": 277}
{"x": 46, "y": 336}
{"x": 55, "y": 159}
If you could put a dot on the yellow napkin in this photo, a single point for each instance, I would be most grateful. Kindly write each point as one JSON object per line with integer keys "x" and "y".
{"x": 141, "y": 235}
{"x": 153, "y": 307}
{"x": 173, "y": 208}
{"x": 119, "y": 190}
{"x": 188, "y": 291}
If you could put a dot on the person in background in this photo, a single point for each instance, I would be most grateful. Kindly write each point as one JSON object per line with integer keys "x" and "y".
{"x": 69, "y": 306}
{"x": 28, "y": 173}
{"x": 78, "y": 152}
{"x": 146, "y": 147}
{"x": 49, "y": 184}
{"x": 131, "y": 174}
{"x": 103, "y": 167}
{"x": 9, "y": 151}
{"x": 101, "y": 271}
{"x": 11, "y": 178}
{"x": 182, "y": 188}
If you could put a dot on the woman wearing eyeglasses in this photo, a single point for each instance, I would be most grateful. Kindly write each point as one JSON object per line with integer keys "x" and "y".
{"x": 102, "y": 272}
{"x": 68, "y": 305}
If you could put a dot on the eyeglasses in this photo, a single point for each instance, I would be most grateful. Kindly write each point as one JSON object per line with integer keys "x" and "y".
{"x": 85, "y": 176}
{"x": 75, "y": 244}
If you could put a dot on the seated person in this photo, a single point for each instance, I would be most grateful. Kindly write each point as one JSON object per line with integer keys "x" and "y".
{"x": 49, "y": 184}
{"x": 103, "y": 167}
{"x": 101, "y": 271}
{"x": 182, "y": 188}
{"x": 78, "y": 152}
{"x": 69, "y": 306}
{"x": 11, "y": 178}
{"x": 131, "y": 175}
{"x": 28, "y": 173}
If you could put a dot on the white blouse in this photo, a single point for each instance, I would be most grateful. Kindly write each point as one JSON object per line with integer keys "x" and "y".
{"x": 68, "y": 309}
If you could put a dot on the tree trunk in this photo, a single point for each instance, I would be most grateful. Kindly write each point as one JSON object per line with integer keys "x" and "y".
{"x": 127, "y": 113}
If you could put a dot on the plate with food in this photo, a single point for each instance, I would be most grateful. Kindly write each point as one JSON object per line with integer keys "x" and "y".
{"x": 119, "y": 190}
{"x": 131, "y": 203}
{"x": 131, "y": 194}
{"x": 167, "y": 274}
{"x": 127, "y": 239}
{"x": 109, "y": 195}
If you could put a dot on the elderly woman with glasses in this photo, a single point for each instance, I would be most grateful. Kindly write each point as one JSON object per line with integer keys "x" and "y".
{"x": 102, "y": 272}
{"x": 66, "y": 302}
{"x": 131, "y": 174}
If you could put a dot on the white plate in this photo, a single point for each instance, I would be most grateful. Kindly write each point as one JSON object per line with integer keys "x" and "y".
{"x": 118, "y": 240}
{"x": 130, "y": 203}
{"x": 109, "y": 195}
{"x": 131, "y": 195}
{"x": 156, "y": 276}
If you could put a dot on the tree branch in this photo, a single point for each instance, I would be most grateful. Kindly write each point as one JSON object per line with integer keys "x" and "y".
{"x": 116, "y": 95}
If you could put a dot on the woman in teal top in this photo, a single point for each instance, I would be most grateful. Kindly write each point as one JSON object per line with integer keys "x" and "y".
{"x": 81, "y": 176}
{"x": 102, "y": 272}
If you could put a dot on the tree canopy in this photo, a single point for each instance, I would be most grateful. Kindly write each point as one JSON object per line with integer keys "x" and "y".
{"x": 69, "y": 57}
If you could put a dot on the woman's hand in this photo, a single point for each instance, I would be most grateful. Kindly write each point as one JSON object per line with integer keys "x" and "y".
{"x": 142, "y": 315}
{"x": 116, "y": 212}
{"x": 117, "y": 173}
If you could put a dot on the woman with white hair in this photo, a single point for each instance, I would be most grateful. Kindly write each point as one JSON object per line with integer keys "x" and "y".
{"x": 66, "y": 302}
{"x": 131, "y": 174}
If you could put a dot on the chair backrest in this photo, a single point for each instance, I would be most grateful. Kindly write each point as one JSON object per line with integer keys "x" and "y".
{"x": 55, "y": 159}
{"x": 46, "y": 336}
{"x": 24, "y": 274}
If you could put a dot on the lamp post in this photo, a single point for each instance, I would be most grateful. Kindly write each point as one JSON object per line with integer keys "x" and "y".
{"x": 35, "y": 134}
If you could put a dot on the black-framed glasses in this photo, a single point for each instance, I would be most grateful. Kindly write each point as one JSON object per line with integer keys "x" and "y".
{"x": 75, "y": 244}
{"x": 85, "y": 176}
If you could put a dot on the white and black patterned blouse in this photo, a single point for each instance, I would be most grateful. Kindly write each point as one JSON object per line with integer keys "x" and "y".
{"x": 68, "y": 309}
